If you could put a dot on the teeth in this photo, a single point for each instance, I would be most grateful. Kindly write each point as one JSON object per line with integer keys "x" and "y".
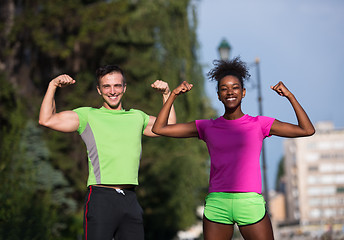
{"x": 230, "y": 99}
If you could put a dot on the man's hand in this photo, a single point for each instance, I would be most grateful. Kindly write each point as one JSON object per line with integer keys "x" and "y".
{"x": 161, "y": 86}
{"x": 63, "y": 80}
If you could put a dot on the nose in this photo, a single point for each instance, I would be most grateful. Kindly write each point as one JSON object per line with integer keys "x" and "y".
{"x": 229, "y": 91}
{"x": 113, "y": 90}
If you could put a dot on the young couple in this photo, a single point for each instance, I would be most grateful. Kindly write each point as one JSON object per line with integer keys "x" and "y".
{"x": 234, "y": 143}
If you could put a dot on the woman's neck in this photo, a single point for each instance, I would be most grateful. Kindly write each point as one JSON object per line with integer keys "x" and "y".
{"x": 232, "y": 114}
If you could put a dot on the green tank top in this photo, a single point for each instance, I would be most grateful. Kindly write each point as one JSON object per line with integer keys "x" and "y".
{"x": 113, "y": 142}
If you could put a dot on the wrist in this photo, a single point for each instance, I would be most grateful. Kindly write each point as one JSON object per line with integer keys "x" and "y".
{"x": 53, "y": 84}
{"x": 166, "y": 93}
{"x": 290, "y": 96}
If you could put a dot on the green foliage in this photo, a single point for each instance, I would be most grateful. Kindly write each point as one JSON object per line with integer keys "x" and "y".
{"x": 11, "y": 121}
{"x": 179, "y": 182}
{"x": 36, "y": 202}
{"x": 150, "y": 40}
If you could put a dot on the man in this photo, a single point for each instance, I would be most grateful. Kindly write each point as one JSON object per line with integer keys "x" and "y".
{"x": 113, "y": 139}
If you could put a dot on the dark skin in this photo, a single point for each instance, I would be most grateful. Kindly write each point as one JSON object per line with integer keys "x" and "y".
{"x": 259, "y": 231}
{"x": 231, "y": 93}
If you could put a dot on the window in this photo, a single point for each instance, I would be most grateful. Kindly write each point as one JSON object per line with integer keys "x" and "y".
{"x": 340, "y": 189}
{"x": 315, "y": 213}
{"x": 312, "y": 157}
{"x": 313, "y": 168}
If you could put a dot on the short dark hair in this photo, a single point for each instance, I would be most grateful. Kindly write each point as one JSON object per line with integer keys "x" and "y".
{"x": 102, "y": 71}
{"x": 234, "y": 67}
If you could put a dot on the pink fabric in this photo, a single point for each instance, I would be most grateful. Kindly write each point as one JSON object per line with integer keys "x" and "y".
{"x": 234, "y": 147}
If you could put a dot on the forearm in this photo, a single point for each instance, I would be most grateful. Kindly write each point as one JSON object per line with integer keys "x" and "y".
{"x": 172, "y": 117}
{"x": 48, "y": 107}
{"x": 302, "y": 118}
{"x": 166, "y": 115}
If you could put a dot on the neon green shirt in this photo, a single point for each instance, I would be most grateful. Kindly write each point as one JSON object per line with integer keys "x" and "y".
{"x": 113, "y": 142}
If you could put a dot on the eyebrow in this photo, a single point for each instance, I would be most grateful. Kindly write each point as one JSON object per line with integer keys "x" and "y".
{"x": 117, "y": 84}
{"x": 224, "y": 85}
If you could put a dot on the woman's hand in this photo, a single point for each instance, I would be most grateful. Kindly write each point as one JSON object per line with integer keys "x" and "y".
{"x": 281, "y": 90}
{"x": 182, "y": 88}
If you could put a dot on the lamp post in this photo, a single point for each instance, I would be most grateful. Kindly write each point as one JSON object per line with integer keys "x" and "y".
{"x": 224, "y": 51}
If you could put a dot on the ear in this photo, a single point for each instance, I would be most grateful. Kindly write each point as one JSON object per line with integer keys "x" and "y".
{"x": 125, "y": 88}
{"x": 98, "y": 89}
{"x": 243, "y": 92}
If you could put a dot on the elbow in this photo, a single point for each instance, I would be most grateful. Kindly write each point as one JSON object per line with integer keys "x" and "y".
{"x": 43, "y": 122}
{"x": 309, "y": 132}
{"x": 155, "y": 130}
{"x": 159, "y": 130}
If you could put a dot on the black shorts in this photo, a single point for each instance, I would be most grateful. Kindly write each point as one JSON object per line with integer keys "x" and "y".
{"x": 111, "y": 213}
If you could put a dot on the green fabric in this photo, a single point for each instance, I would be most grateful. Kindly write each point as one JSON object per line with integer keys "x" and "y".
{"x": 229, "y": 208}
{"x": 113, "y": 141}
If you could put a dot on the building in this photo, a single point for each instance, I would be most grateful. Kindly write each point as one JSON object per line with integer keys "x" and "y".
{"x": 277, "y": 206}
{"x": 314, "y": 168}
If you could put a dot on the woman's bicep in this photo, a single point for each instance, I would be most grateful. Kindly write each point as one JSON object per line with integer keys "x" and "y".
{"x": 284, "y": 129}
{"x": 179, "y": 130}
{"x": 182, "y": 130}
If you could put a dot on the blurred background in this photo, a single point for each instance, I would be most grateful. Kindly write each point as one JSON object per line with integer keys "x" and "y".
{"x": 43, "y": 173}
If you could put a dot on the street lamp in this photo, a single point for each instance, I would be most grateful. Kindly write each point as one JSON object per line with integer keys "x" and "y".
{"x": 224, "y": 51}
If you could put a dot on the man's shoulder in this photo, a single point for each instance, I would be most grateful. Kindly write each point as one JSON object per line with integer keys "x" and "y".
{"x": 136, "y": 112}
{"x": 82, "y": 109}
{"x": 133, "y": 110}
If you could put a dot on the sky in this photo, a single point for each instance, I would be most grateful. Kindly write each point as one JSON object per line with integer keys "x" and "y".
{"x": 298, "y": 42}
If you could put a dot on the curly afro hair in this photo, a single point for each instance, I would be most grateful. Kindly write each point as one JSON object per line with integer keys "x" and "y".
{"x": 234, "y": 67}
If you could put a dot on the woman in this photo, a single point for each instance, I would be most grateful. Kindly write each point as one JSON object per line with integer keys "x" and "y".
{"x": 234, "y": 142}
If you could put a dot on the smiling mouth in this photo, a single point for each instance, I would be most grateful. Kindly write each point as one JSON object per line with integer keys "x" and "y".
{"x": 230, "y": 99}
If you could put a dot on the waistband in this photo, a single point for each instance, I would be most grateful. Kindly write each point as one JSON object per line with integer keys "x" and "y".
{"x": 132, "y": 189}
{"x": 234, "y": 195}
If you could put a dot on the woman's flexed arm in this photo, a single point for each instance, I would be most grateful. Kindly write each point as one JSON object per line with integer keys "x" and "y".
{"x": 178, "y": 130}
{"x": 283, "y": 129}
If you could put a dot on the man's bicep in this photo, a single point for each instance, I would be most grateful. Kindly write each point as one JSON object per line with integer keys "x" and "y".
{"x": 66, "y": 121}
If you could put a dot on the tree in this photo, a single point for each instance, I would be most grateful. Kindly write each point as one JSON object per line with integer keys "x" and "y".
{"x": 42, "y": 39}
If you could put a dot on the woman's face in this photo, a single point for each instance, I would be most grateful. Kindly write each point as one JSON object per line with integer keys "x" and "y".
{"x": 230, "y": 91}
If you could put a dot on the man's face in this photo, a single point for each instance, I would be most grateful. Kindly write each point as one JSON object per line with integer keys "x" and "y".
{"x": 112, "y": 88}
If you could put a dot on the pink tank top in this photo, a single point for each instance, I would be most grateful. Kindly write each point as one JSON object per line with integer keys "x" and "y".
{"x": 234, "y": 147}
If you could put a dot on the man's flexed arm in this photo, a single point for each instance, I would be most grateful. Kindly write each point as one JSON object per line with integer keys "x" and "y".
{"x": 162, "y": 87}
{"x": 66, "y": 121}
{"x": 165, "y": 90}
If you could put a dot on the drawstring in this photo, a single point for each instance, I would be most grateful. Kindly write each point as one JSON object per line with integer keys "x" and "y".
{"x": 120, "y": 191}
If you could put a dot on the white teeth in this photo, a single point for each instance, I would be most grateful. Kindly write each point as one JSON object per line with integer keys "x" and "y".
{"x": 230, "y": 99}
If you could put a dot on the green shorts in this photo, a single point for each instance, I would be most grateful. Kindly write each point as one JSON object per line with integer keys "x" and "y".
{"x": 229, "y": 208}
